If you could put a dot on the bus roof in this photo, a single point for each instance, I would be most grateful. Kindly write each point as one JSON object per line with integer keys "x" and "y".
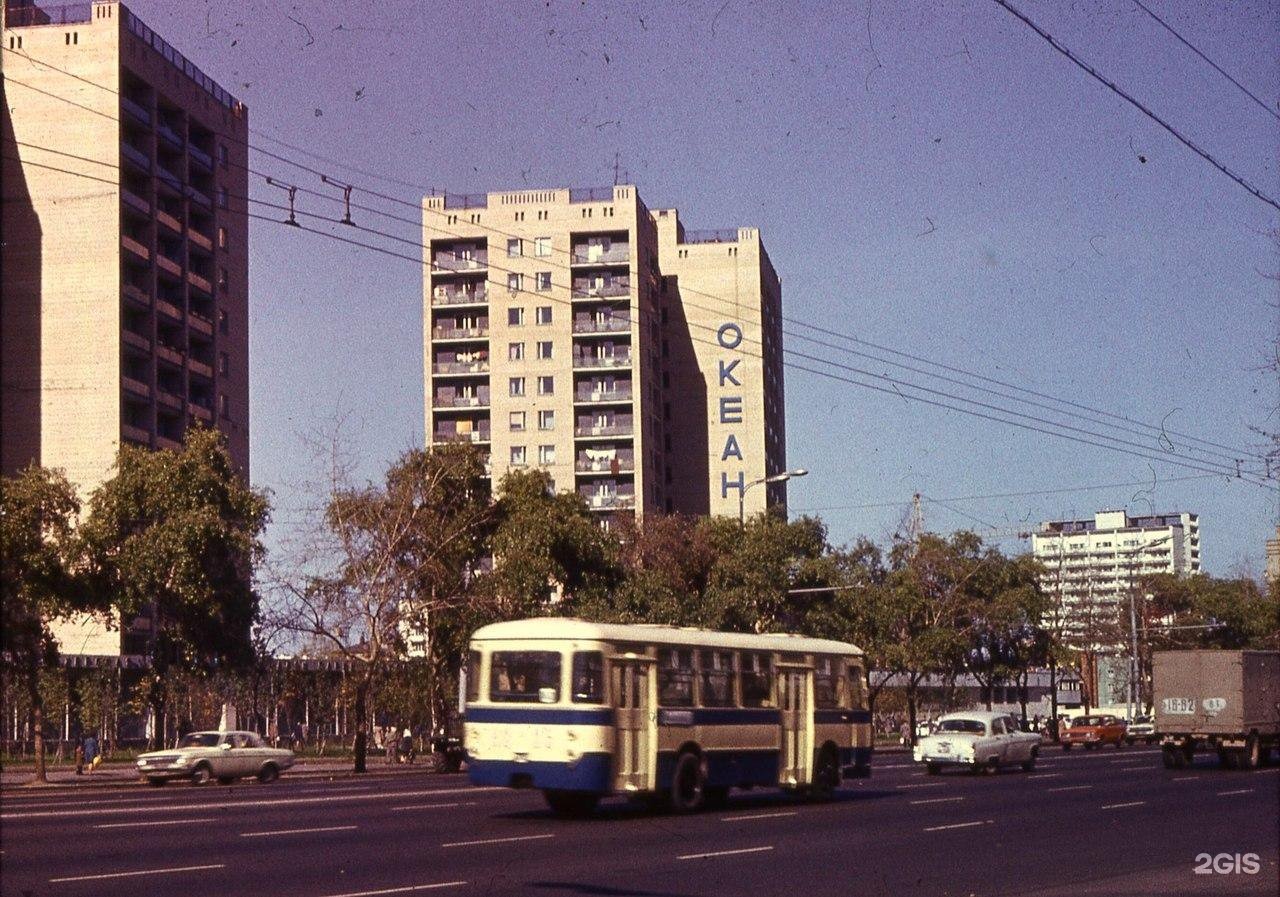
{"x": 544, "y": 628}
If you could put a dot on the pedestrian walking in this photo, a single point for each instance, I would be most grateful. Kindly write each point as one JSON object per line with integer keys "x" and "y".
{"x": 389, "y": 742}
{"x": 80, "y": 758}
{"x": 91, "y": 756}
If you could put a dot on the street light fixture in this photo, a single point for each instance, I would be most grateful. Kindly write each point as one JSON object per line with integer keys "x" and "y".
{"x": 776, "y": 478}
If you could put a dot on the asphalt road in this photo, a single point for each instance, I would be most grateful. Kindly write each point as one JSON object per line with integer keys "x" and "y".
{"x": 1108, "y": 822}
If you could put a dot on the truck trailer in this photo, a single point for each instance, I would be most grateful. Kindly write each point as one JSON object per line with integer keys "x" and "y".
{"x": 1228, "y": 701}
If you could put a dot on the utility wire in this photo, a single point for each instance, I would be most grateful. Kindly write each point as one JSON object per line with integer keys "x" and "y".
{"x": 1236, "y": 456}
{"x": 1217, "y": 68}
{"x": 1120, "y": 92}
{"x": 1110, "y": 442}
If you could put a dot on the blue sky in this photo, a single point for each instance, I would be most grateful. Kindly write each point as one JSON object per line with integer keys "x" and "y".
{"x": 930, "y": 177}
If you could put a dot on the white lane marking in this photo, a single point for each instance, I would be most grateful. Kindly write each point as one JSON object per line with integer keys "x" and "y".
{"x": 943, "y": 828}
{"x": 251, "y": 804}
{"x": 937, "y": 800}
{"x": 925, "y": 785}
{"x": 723, "y": 853}
{"x": 298, "y": 831}
{"x": 404, "y": 890}
{"x": 1183, "y": 778}
{"x": 496, "y": 840}
{"x": 1132, "y": 803}
{"x": 1070, "y": 788}
{"x": 466, "y": 803}
{"x": 168, "y": 871}
{"x": 1045, "y": 775}
{"x": 1237, "y": 791}
{"x": 160, "y": 822}
{"x": 757, "y": 816}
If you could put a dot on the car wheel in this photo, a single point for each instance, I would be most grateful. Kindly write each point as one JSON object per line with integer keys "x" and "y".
{"x": 155, "y": 782}
{"x": 932, "y": 769}
{"x": 992, "y": 767}
{"x": 201, "y": 774}
{"x": 1128, "y": 741}
{"x": 268, "y": 774}
{"x": 1088, "y": 745}
{"x": 688, "y": 784}
{"x": 1030, "y": 763}
{"x": 571, "y": 803}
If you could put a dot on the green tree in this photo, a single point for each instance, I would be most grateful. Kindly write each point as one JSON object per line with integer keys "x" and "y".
{"x": 174, "y": 536}
{"x": 1005, "y": 622}
{"x": 390, "y": 560}
{"x": 40, "y": 582}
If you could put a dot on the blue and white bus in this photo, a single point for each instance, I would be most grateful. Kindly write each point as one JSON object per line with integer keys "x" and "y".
{"x": 585, "y": 710}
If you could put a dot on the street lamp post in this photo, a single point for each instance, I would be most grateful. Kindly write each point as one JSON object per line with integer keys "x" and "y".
{"x": 1135, "y": 695}
{"x": 776, "y": 478}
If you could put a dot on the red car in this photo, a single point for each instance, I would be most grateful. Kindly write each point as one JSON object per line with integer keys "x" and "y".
{"x": 1092, "y": 731}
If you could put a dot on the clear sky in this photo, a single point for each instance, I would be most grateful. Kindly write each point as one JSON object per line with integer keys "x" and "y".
{"x": 930, "y": 177}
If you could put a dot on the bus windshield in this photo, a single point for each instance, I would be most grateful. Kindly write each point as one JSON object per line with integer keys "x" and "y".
{"x": 525, "y": 676}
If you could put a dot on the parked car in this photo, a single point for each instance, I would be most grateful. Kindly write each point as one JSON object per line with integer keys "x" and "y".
{"x": 1092, "y": 731}
{"x": 977, "y": 740}
{"x": 225, "y": 756}
{"x": 1143, "y": 728}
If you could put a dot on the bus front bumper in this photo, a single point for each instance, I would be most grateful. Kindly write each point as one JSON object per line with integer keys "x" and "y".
{"x": 590, "y": 772}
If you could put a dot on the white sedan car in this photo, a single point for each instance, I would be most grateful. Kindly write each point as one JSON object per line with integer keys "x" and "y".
{"x": 977, "y": 740}
{"x": 225, "y": 756}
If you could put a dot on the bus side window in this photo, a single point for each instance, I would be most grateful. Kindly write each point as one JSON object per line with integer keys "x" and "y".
{"x": 675, "y": 677}
{"x": 588, "y": 677}
{"x": 757, "y": 680}
{"x": 857, "y": 687}
{"x": 826, "y": 683}
{"x": 473, "y": 676}
{"x": 717, "y": 678}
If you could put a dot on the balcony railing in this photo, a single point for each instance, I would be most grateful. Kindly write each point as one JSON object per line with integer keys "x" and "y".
{"x": 136, "y": 156}
{"x": 199, "y": 282}
{"x": 135, "y": 434}
{"x": 586, "y": 255}
{"x": 603, "y": 395}
{"x": 169, "y": 399}
{"x": 170, "y": 135}
{"x": 200, "y": 411}
{"x": 478, "y": 332}
{"x": 137, "y": 340}
{"x": 719, "y": 235}
{"x": 168, "y": 178}
{"x": 201, "y": 368}
{"x": 590, "y": 194}
{"x": 200, "y": 156}
{"x": 460, "y": 297}
{"x": 136, "y": 386}
{"x": 173, "y": 356}
{"x": 460, "y": 367}
{"x": 134, "y": 201}
{"x": 609, "y": 502}
{"x": 137, "y": 294}
{"x": 169, "y": 221}
{"x": 200, "y": 239}
{"x": 201, "y": 324}
{"x": 164, "y": 263}
{"x": 448, "y": 261}
{"x": 199, "y": 197}
{"x": 134, "y": 246}
{"x": 608, "y": 325}
{"x": 137, "y": 110}
{"x": 166, "y": 308}
{"x": 619, "y": 429}
{"x": 601, "y": 361}
{"x": 608, "y": 289}
{"x": 473, "y": 436}
{"x": 606, "y": 465}
{"x": 459, "y": 401}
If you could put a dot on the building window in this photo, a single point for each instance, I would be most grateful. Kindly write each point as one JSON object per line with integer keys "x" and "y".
{"x": 513, "y": 247}
{"x": 222, "y": 154}
{"x": 224, "y": 282}
{"x": 546, "y": 420}
{"x": 224, "y": 406}
{"x": 515, "y": 351}
{"x": 222, "y": 197}
{"x": 546, "y": 455}
{"x": 515, "y": 387}
{"x": 517, "y": 456}
{"x": 544, "y": 349}
{"x": 513, "y": 282}
{"x": 546, "y": 386}
{"x": 543, "y": 314}
{"x": 222, "y": 238}
{"x": 543, "y": 280}
{"x": 224, "y": 364}
{"x": 516, "y": 421}
{"x": 515, "y": 316}
{"x": 542, "y": 247}
{"x": 224, "y": 326}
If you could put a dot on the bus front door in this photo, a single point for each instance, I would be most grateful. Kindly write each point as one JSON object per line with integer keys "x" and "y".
{"x": 635, "y": 756}
{"x": 795, "y": 693}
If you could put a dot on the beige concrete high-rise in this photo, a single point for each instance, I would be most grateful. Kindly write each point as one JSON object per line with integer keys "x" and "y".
{"x": 576, "y": 331}
{"x": 125, "y": 253}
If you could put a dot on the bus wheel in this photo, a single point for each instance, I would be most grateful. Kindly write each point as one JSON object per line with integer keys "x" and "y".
{"x": 826, "y": 775}
{"x": 571, "y": 803}
{"x": 1172, "y": 757}
{"x": 689, "y": 784}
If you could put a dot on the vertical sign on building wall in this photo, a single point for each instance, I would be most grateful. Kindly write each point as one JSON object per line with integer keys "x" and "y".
{"x": 729, "y": 337}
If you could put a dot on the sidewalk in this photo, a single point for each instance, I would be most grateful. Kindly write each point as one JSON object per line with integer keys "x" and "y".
{"x": 124, "y": 774}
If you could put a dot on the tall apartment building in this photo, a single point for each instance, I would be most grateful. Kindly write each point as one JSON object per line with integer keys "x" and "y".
{"x": 125, "y": 293}
{"x": 560, "y": 333}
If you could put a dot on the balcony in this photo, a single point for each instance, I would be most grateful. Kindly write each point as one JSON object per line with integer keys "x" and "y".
{"x": 169, "y": 399}
{"x": 136, "y": 110}
{"x": 169, "y": 354}
{"x": 481, "y": 401}
{"x": 166, "y": 177}
{"x": 169, "y": 135}
{"x": 199, "y": 197}
{"x": 603, "y": 291}
{"x": 477, "y": 332}
{"x": 169, "y": 310}
{"x": 137, "y": 295}
{"x": 200, "y": 324}
{"x": 603, "y": 396}
{"x": 199, "y": 282}
{"x": 200, "y": 368}
{"x": 450, "y": 262}
{"x": 171, "y": 266}
{"x": 597, "y": 502}
{"x": 471, "y": 436}
{"x": 614, "y": 429}
{"x": 605, "y": 465}
{"x": 200, "y": 157}
{"x": 459, "y": 297}
{"x": 200, "y": 240}
{"x": 135, "y": 434}
{"x": 136, "y": 156}
{"x": 169, "y": 221}
{"x": 596, "y": 255}
{"x": 460, "y": 367}
{"x": 608, "y": 325}
{"x": 200, "y": 412}
{"x": 601, "y": 361}
{"x": 137, "y": 387}
{"x": 135, "y": 247}
{"x": 134, "y": 201}
{"x": 168, "y": 442}
{"x": 137, "y": 340}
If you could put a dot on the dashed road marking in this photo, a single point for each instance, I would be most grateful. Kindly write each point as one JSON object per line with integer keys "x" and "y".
{"x": 943, "y": 828}
{"x": 1132, "y": 803}
{"x": 925, "y": 785}
{"x": 467, "y": 803}
{"x": 167, "y": 871}
{"x": 722, "y": 853}
{"x": 1236, "y": 791}
{"x": 496, "y": 840}
{"x": 402, "y": 890}
{"x": 937, "y": 800}
{"x": 159, "y": 822}
{"x": 1070, "y": 788}
{"x": 757, "y": 816}
{"x": 299, "y": 831}
{"x": 1183, "y": 778}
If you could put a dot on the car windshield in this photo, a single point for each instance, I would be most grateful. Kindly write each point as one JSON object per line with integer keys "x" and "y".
{"x": 199, "y": 739}
{"x": 1084, "y": 722}
{"x": 971, "y": 726}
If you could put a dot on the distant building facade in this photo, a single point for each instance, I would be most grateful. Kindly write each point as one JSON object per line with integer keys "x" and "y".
{"x": 578, "y": 332}
{"x": 1273, "y": 556}
{"x": 125, "y": 251}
